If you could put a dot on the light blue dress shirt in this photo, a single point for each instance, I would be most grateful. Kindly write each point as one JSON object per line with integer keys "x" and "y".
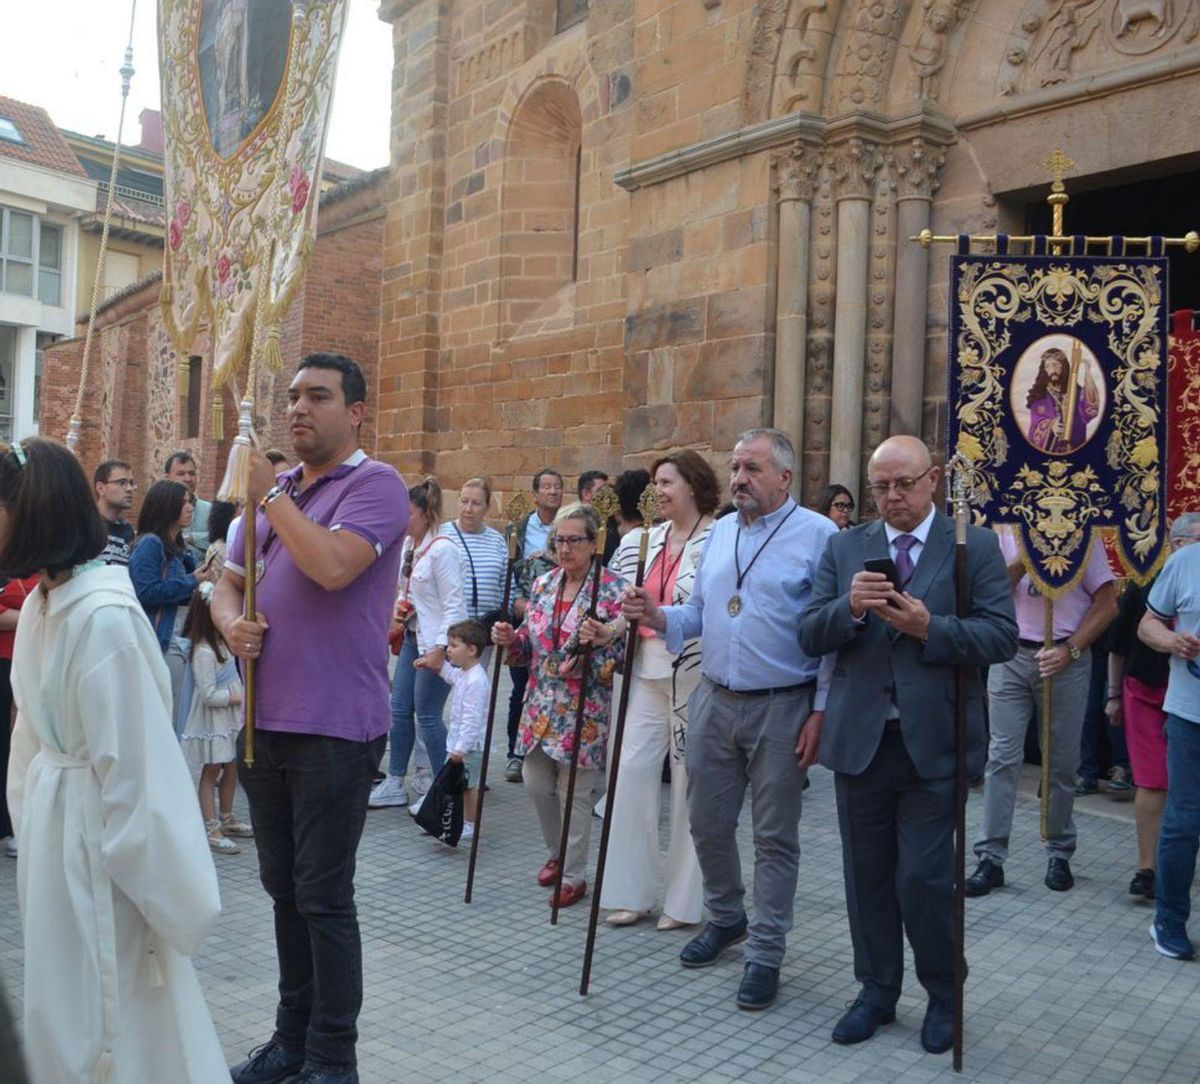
{"x": 536, "y": 533}
{"x": 760, "y": 647}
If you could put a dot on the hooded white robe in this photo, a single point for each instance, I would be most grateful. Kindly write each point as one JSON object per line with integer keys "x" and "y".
{"x": 115, "y": 878}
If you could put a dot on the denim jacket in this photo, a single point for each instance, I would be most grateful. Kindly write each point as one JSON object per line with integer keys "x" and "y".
{"x": 161, "y": 583}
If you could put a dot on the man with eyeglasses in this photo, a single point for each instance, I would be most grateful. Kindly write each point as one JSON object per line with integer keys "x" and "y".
{"x": 755, "y": 718}
{"x": 1015, "y": 697}
{"x": 114, "y": 487}
{"x": 890, "y": 735}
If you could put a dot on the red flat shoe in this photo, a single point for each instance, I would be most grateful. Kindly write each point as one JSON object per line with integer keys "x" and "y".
{"x": 570, "y": 893}
{"x": 548, "y": 873}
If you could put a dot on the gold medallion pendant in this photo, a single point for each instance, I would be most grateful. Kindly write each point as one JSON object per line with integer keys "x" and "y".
{"x": 551, "y": 666}
{"x": 734, "y": 605}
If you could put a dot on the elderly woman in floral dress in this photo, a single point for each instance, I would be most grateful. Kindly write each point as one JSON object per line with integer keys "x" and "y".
{"x": 545, "y": 641}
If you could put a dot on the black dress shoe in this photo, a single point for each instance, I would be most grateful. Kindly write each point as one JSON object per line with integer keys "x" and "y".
{"x": 703, "y": 949}
{"x": 937, "y": 1032}
{"x": 861, "y": 1021}
{"x": 987, "y": 875}
{"x": 1058, "y": 875}
{"x": 327, "y": 1076}
{"x": 268, "y": 1064}
{"x": 759, "y": 986}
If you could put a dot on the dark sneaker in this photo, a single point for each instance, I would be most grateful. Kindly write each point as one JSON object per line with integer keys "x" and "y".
{"x": 1085, "y": 786}
{"x": 1120, "y": 787}
{"x": 268, "y": 1064}
{"x": 1172, "y": 941}
{"x": 1058, "y": 875}
{"x": 987, "y": 875}
{"x": 1142, "y": 884}
{"x": 327, "y": 1076}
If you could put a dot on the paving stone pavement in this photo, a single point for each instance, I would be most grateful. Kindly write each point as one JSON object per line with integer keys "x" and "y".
{"x": 1063, "y": 987}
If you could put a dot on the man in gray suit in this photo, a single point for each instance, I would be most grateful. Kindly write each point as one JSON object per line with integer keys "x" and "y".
{"x": 889, "y": 729}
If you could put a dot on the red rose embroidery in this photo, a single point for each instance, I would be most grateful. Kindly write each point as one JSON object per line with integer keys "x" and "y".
{"x": 183, "y": 212}
{"x": 175, "y": 233}
{"x": 299, "y": 186}
{"x": 223, "y": 268}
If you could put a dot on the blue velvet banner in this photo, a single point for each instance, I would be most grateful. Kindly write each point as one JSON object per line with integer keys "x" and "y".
{"x": 1058, "y": 375}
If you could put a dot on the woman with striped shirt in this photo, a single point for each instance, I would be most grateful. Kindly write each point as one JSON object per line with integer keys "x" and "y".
{"x": 484, "y": 554}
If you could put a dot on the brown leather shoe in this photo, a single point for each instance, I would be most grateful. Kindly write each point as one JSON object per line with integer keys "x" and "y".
{"x": 548, "y": 873}
{"x": 569, "y": 894}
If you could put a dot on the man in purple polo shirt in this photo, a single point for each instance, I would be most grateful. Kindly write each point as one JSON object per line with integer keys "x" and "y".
{"x": 329, "y": 539}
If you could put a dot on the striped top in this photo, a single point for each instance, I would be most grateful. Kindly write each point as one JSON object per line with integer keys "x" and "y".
{"x": 485, "y": 560}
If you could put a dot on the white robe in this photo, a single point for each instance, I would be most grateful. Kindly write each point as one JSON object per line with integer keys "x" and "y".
{"x": 115, "y": 878}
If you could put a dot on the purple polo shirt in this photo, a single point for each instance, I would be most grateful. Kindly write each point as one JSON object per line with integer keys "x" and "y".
{"x": 324, "y": 663}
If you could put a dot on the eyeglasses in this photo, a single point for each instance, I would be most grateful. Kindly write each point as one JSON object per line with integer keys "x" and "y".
{"x": 843, "y": 506}
{"x": 127, "y": 482}
{"x": 901, "y": 485}
{"x": 566, "y": 541}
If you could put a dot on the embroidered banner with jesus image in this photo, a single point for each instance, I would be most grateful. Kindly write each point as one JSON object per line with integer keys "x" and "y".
{"x": 1057, "y": 402}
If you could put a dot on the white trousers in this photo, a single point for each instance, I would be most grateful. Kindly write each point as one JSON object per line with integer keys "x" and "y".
{"x": 631, "y": 876}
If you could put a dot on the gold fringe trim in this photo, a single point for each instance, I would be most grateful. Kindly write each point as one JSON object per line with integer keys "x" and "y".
{"x": 272, "y": 355}
{"x": 218, "y": 416}
{"x": 184, "y": 375}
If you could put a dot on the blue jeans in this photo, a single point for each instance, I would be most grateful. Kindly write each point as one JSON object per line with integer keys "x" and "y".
{"x": 418, "y": 697}
{"x": 308, "y": 799}
{"x": 1180, "y": 833}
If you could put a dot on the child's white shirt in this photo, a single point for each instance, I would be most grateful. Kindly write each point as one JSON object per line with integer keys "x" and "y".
{"x": 468, "y": 707}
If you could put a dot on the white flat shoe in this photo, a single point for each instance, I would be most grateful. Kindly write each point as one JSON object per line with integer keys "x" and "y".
{"x": 666, "y": 922}
{"x": 623, "y": 918}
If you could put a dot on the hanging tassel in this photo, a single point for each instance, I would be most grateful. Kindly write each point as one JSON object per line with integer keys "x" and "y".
{"x": 218, "y": 416}
{"x": 272, "y": 355}
{"x": 235, "y": 485}
{"x": 166, "y": 294}
{"x": 185, "y": 376}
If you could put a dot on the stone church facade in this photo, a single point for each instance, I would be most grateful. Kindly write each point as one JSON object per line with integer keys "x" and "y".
{"x": 627, "y": 225}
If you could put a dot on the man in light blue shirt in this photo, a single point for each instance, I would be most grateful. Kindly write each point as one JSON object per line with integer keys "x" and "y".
{"x": 756, "y": 717}
{"x": 1171, "y": 625}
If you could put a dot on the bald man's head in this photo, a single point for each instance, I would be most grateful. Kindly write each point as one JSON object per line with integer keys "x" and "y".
{"x": 903, "y": 480}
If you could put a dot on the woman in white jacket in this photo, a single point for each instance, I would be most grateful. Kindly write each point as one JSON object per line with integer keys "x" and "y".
{"x": 656, "y": 725}
{"x": 430, "y": 601}
{"x": 115, "y": 879}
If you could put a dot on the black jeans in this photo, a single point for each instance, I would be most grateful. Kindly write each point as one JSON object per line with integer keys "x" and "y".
{"x": 308, "y": 800}
{"x": 516, "y": 703}
{"x": 6, "y": 828}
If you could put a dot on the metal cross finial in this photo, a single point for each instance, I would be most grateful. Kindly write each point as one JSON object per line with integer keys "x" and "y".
{"x": 1059, "y": 166}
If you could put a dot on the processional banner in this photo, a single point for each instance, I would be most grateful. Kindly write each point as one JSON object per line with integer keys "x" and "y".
{"x": 246, "y": 90}
{"x": 1183, "y": 422}
{"x": 1058, "y": 381}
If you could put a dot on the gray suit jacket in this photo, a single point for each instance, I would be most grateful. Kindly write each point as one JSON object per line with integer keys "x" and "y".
{"x": 873, "y": 658}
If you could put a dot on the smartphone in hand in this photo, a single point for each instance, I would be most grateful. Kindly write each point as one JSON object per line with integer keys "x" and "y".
{"x": 885, "y": 565}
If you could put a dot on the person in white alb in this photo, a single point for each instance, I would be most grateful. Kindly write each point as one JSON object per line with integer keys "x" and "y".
{"x": 470, "y": 687}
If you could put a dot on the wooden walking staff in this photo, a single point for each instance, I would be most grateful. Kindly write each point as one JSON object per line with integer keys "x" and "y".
{"x": 648, "y": 506}
{"x": 958, "y": 470}
{"x": 605, "y": 504}
{"x": 518, "y": 508}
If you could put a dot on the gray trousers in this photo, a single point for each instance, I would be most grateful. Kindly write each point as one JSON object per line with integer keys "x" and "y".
{"x": 735, "y": 741}
{"x": 1014, "y": 697}
{"x": 546, "y": 781}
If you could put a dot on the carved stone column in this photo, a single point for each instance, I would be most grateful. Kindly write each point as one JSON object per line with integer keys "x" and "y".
{"x": 795, "y": 178}
{"x": 915, "y": 166}
{"x": 854, "y": 164}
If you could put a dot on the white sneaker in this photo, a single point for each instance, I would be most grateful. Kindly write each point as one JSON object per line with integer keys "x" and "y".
{"x": 468, "y": 833}
{"x": 10, "y": 847}
{"x": 422, "y": 780}
{"x": 388, "y": 792}
{"x": 415, "y": 808}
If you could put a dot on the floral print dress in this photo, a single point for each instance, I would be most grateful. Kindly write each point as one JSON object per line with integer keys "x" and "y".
{"x": 551, "y": 700}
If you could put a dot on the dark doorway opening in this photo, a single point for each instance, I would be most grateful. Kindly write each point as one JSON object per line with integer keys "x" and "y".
{"x": 1163, "y": 205}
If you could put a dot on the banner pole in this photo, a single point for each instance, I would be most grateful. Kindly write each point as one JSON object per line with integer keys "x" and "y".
{"x": 1047, "y": 734}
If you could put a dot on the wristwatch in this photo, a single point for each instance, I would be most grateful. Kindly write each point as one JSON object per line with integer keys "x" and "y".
{"x": 271, "y": 494}
{"x": 1072, "y": 650}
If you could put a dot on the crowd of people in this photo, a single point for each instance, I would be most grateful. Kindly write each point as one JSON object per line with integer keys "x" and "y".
{"x": 770, "y": 637}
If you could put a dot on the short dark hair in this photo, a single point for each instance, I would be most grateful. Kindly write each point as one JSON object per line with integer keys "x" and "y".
{"x": 275, "y": 456}
{"x": 53, "y": 521}
{"x": 182, "y": 456}
{"x": 472, "y": 633}
{"x": 161, "y": 509}
{"x": 354, "y": 384}
{"x": 104, "y": 471}
{"x": 588, "y": 477}
{"x": 695, "y": 470}
{"x": 220, "y": 516}
{"x": 537, "y": 478}
{"x": 630, "y": 485}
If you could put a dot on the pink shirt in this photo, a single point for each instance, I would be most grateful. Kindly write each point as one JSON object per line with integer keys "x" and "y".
{"x": 1068, "y": 610}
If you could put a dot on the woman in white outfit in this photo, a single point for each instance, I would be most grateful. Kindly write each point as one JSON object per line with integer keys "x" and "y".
{"x": 656, "y": 725}
{"x": 115, "y": 879}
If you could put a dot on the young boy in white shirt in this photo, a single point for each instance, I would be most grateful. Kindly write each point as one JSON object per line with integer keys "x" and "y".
{"x": 466, "y": 641}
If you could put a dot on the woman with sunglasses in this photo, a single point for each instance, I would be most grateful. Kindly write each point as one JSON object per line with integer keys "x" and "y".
{"x": 546, "y": 642}
{"x": 115, "y": 879}
{"x": 837, "y": 502}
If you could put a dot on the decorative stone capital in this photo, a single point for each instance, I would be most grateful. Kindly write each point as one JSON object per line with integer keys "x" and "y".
{"x": 855, "y": 163}
{"x": 796, "y": 172}
{"x": 915, "y": 167}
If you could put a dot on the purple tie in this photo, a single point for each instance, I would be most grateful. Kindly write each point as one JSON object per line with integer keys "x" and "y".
{"x": 904, "y": 562}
